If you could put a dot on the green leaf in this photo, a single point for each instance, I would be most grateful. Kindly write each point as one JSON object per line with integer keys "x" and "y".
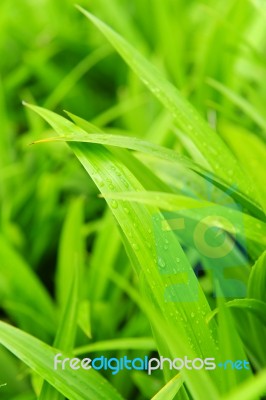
{"x": 148, "y": 385}
{"x": 251, "y": 153}
{"x": 241, "y": 102}
{"x": 254, "y": 387}
{"x": 139, "y": 224}
{"x": 230, "y": 345}
{"x": 74, "y": 384}
{"x": 142, "y": 146}
{"x": 84, "y": 317}
{"x": 28, "y": 299}
{"x": 105, "y": 253}
{"x": 255, "y": 307}
{"x": 66, "y": 333}
{"x": 253, "y": 229}
{"x": 74, "y": 75}
{"x": 169, "y": 391}
{"x": 71, "y": 250}
{"x": 206, "y": 140}
{"x": 257, "y": 279}
{"x": 249, "y": 315}
{"x": 123, "y": 142}
{"x": 118, "y": 344}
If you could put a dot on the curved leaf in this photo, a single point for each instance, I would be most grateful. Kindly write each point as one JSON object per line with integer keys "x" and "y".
{"x": 206, "y": 140}
{"x": 74, "y": 384}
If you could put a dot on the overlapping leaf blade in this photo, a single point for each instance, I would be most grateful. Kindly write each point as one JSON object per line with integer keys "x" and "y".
{"x": 74, "y": 384}
{"x": 206, "y": 140}
{"x": 137, "y": 224}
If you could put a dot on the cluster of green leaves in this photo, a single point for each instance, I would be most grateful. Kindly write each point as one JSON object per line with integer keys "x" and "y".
{"x": 152, "y": 152}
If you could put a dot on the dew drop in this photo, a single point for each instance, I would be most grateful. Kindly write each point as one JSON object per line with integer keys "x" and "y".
{"x": 166, "y": 243}
{"x": 135, "y": 246}
{"x": 114, "y": 204}
{"x": 161, "y": 262}
{"x": 172, "y": 314}
{"x": 148, "y": 271}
